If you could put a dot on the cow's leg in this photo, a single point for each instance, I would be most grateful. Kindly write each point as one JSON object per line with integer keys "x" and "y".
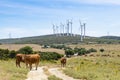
{"x": 30, "y": 66}
{"x": 36, "y": 65}
{"x": 16, "y": 63}
{"x": 63, "y": 64}
{"x": 26, "y": 65}
{"x": 19, "y": 64}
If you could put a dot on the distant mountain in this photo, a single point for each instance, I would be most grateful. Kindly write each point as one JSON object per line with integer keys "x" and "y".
{"x": 111, "y": 37}
{"x": 61, "y": 39}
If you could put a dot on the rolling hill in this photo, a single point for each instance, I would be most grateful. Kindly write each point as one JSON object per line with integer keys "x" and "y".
{"x": 53, "y": 39}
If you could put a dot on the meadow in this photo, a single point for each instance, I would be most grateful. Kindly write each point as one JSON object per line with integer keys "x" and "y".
{"x": 9, "y": 71}
{"x": 100, "y": 66}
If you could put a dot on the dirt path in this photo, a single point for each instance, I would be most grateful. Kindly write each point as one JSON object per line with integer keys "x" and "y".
{"x": 58, "y": 73}
{"x": 40, "y": 74}
{"x": 37, "y": 74}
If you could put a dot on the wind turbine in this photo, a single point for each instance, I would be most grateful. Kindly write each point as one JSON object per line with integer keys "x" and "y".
{"x": 81, "y": 27}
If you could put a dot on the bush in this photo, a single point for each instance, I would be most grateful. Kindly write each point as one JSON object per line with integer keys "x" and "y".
{"x": 69, "y": 52}
{"x": 12, "y": 54}
{"x": 50, "y": 56}
{"x": 76, "y": 50}
{"x": 58, "y": 46}
{"x": 82, "y": 51}
{"x": 92, "y": 50}
{"x": 102, "y": 50}
{"x": 26, "y": 50}
{"x": 4, "y": 54}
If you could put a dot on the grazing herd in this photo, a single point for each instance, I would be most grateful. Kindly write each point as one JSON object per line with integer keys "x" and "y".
{"x": 30, "y": 59}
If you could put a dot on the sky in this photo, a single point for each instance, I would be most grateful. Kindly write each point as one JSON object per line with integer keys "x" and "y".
{"x": 25, "y": 18}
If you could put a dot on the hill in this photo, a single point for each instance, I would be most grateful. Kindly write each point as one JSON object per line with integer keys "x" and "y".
{"x": 111, "y": 37}
{"x": 53, "y": 39}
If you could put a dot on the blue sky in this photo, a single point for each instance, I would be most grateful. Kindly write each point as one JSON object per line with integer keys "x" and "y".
{"x": 23, "y": 18}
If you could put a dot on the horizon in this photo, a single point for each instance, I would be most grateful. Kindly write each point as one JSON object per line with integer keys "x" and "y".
{"x": 24, "y": 18}
{"x": 57, "y": 36}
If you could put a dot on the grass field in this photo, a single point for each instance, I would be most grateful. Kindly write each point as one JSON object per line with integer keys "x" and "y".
{"x": 82, "y": 67}
{"x": 96, "y": 67}
{"x": 35, "y": 47}
{"x": 9, "y": 71}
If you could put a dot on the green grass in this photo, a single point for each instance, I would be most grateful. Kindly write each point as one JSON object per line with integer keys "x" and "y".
{"x": 98, "y": 68}
{"x": 53, "y": 77}
{"x": 9, "y": 71}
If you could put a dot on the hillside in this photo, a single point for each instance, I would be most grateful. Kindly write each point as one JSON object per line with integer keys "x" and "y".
{"x": 53, "y": 39}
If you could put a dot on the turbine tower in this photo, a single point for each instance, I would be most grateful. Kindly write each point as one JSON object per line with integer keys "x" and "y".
{"x": 81, "y": 27}
{"x": 57, "y": 31}
{"x": 71, "y": 26}
{"x": 84, "y": 25}
{"x": 67, "y": 28}
{"x": 53, "y": 29}
{"x": 62, "y": 28}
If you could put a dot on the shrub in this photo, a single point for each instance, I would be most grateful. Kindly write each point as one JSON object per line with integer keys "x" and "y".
{"x": 92, "y": 50}
{"x": 102, "y": 50}
{"x": 4, "y": 54}
{"x": 26, "y": 50}
{"x": 69, "y": 52}
{"x": 76, "y": 49}
{"x": 12, "y": 54}
{"x": 82, "y": 51}
{"x": 50, "y": 56}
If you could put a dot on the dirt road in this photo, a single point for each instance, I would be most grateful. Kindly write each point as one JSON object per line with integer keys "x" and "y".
{"x": 40, "y": 74}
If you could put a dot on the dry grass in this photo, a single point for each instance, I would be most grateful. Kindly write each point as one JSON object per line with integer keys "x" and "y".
{"x": 96, "y": 67}
{"x": 8, "y": 71}
{"x": 35, "y": 47}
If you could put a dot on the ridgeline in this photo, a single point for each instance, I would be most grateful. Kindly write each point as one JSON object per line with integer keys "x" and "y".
{"x": 53, "y": 39}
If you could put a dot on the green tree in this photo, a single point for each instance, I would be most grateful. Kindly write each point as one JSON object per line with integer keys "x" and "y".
{"x": 82, "y": 51}
{"x": 102, "y": 50}
{"x": 69, "y": 52}
{"x": 12, "y": 54}
{"x": 26, "y": 50}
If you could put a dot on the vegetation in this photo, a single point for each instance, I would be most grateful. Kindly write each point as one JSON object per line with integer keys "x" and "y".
{"x": 52, "y": 39}
{"x": 53, "y": 77}
{"x": 5, "y": 54}
{"x": 26, "y": 50}
{"x": 102, "y": 50}
{"x": 98, "y": 67}
{"x": 50, "y": 56}
{"x": 102, "y": 67}
{"x": 69, "y": 52}
{"x": 9, "y": 71}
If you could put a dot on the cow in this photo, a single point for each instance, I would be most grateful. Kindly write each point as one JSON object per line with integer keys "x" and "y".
{"x": 32, "y": 59}
{"x": 63, "y": 61}
{"x": 19, "y": 58}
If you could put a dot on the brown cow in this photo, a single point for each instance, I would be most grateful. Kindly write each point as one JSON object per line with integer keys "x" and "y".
{"x": 32, "y": 59}
{"x": 19, "y": 58}
{"x": 63, "y": 61}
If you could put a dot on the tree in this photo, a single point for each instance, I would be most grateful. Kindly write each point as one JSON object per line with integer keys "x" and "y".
{"x": 26, "y": 50}
{"x": 12, "y": 54}
{"x": 82, "y": 51}
{"x": 69, "y": 52}
{"x": 102, "y": 50}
